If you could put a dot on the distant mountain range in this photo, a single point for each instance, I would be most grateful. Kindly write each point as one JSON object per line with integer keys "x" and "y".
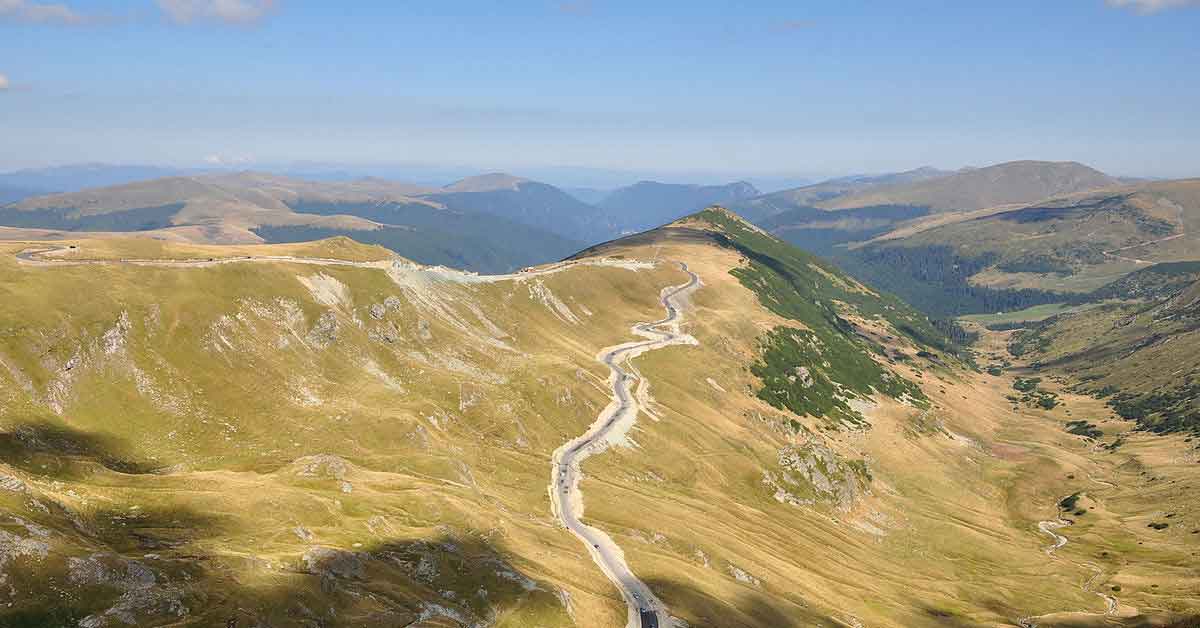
{"x": 490, "y": 223}
{"x": 810, "y": 196}
{"x": 1012, "y": 182}
{"x": 430, "y": 225}
{"x": 647, "y": 204}
{"x": 76, "y": 177}
{"x": 1012, "y": 257}
{"x": 871, "y": 224}
{"x": 591, "y": 196}
{"x": 531, "y": 203}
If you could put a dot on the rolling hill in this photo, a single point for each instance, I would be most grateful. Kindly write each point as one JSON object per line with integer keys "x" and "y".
{"x": 537, "y": 205}
{"x": 472, "y": 225}
{"x": 767, "y": 206}
{"x": 1141, "y": 353}
{"x": 1052, "y": 250}
{"x": 828, "y": 216}
{"x": 76, "y": 177}
{"x": 324, "y": 434}
{"x": 978, "y": 188}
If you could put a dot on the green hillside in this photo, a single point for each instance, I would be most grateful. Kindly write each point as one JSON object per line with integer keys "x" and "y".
{"x": 1053, "y": 251}
{"x": 801, "y": 287}
{"x": 1142, "y": 357}
{"x": 479, "y": 242}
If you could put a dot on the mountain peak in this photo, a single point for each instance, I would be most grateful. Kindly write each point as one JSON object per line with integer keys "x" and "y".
{"x": 969, "y": 189}
{"x": 716, "y": 216}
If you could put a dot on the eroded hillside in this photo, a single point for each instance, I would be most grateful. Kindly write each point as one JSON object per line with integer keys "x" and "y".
{"x": 324, "y": 435}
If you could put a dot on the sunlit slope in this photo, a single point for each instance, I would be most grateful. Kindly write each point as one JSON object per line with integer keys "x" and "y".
{"x": 1046, "y": 252}
{"x": 470, "y": 225}
{"x": 945, "y": 490}
{"x": 290, "y": 442}
{"x": 977, "y": 188}
{"x": 1141, "y": 356}
{"x": 298, "y": 442}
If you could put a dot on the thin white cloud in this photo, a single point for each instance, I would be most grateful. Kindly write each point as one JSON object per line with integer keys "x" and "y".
{"x": 1152, "y": 6}
{"x": 227, "y": 11}
{"x": 4, "y": 84}
{"x": 39, "y": 12}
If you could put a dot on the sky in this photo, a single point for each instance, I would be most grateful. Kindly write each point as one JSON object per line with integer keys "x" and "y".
{"x": 702, "y": 88}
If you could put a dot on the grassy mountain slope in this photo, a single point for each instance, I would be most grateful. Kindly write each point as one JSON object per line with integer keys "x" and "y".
{"x": 1149, "y": 284}
{"x": 1045, "y": 252}
{"x": 286, "y": 443}
{"x": 471, "y": 241}
{"x": 1001, "y": 184}
{"x": 250, "y": 207}
{"x": 1141, "y": 355}
{"x": 765, "y": 206}
{"x": 827, "y": 233}
{"x": 828, "y": 217}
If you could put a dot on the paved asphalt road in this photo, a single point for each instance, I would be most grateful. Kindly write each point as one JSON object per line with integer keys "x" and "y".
{"x": 645, "y": 610}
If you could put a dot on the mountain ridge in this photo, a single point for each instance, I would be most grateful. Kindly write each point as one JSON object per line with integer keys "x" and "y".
{"x": 1005, "y": 183}
{"x": 247, "y": 207}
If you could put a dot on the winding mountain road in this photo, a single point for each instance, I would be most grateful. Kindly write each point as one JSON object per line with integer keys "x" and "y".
{"x": 58, "y": 256}
{"x": 645, "y": 610}
{"x": 61, "y": 256}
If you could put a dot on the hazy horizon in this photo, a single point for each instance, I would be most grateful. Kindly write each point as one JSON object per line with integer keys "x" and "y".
{"x": 780, "y": 91}
{"x": 567, "y": 177}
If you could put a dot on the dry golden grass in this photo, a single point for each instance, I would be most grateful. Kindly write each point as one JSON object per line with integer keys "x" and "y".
{"x": 227, "y": 431}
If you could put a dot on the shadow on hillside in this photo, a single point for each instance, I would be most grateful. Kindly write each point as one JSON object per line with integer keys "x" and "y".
{"x": 465, "y": 581}
{"x": 749, "y": 610}
{"x": 383, "y": 584}
{"x": 50, "y": 449}
{"x": 1140, "y": 621}
{"x": 941, "y": 617}
{"x": 123, "y": 530}
{"x": 950, "y": 619}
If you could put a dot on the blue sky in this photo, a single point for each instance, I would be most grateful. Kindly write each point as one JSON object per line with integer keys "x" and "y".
{"x": 776, "y": 88}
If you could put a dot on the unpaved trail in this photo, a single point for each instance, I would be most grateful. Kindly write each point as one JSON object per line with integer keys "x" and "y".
{"x": 644, "y": 609}
{"x": 47, "y": 258}
{"x": 55, "y": 257}
{"x": 1113, "y": 253}
{"x": 1051, "y": 527}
